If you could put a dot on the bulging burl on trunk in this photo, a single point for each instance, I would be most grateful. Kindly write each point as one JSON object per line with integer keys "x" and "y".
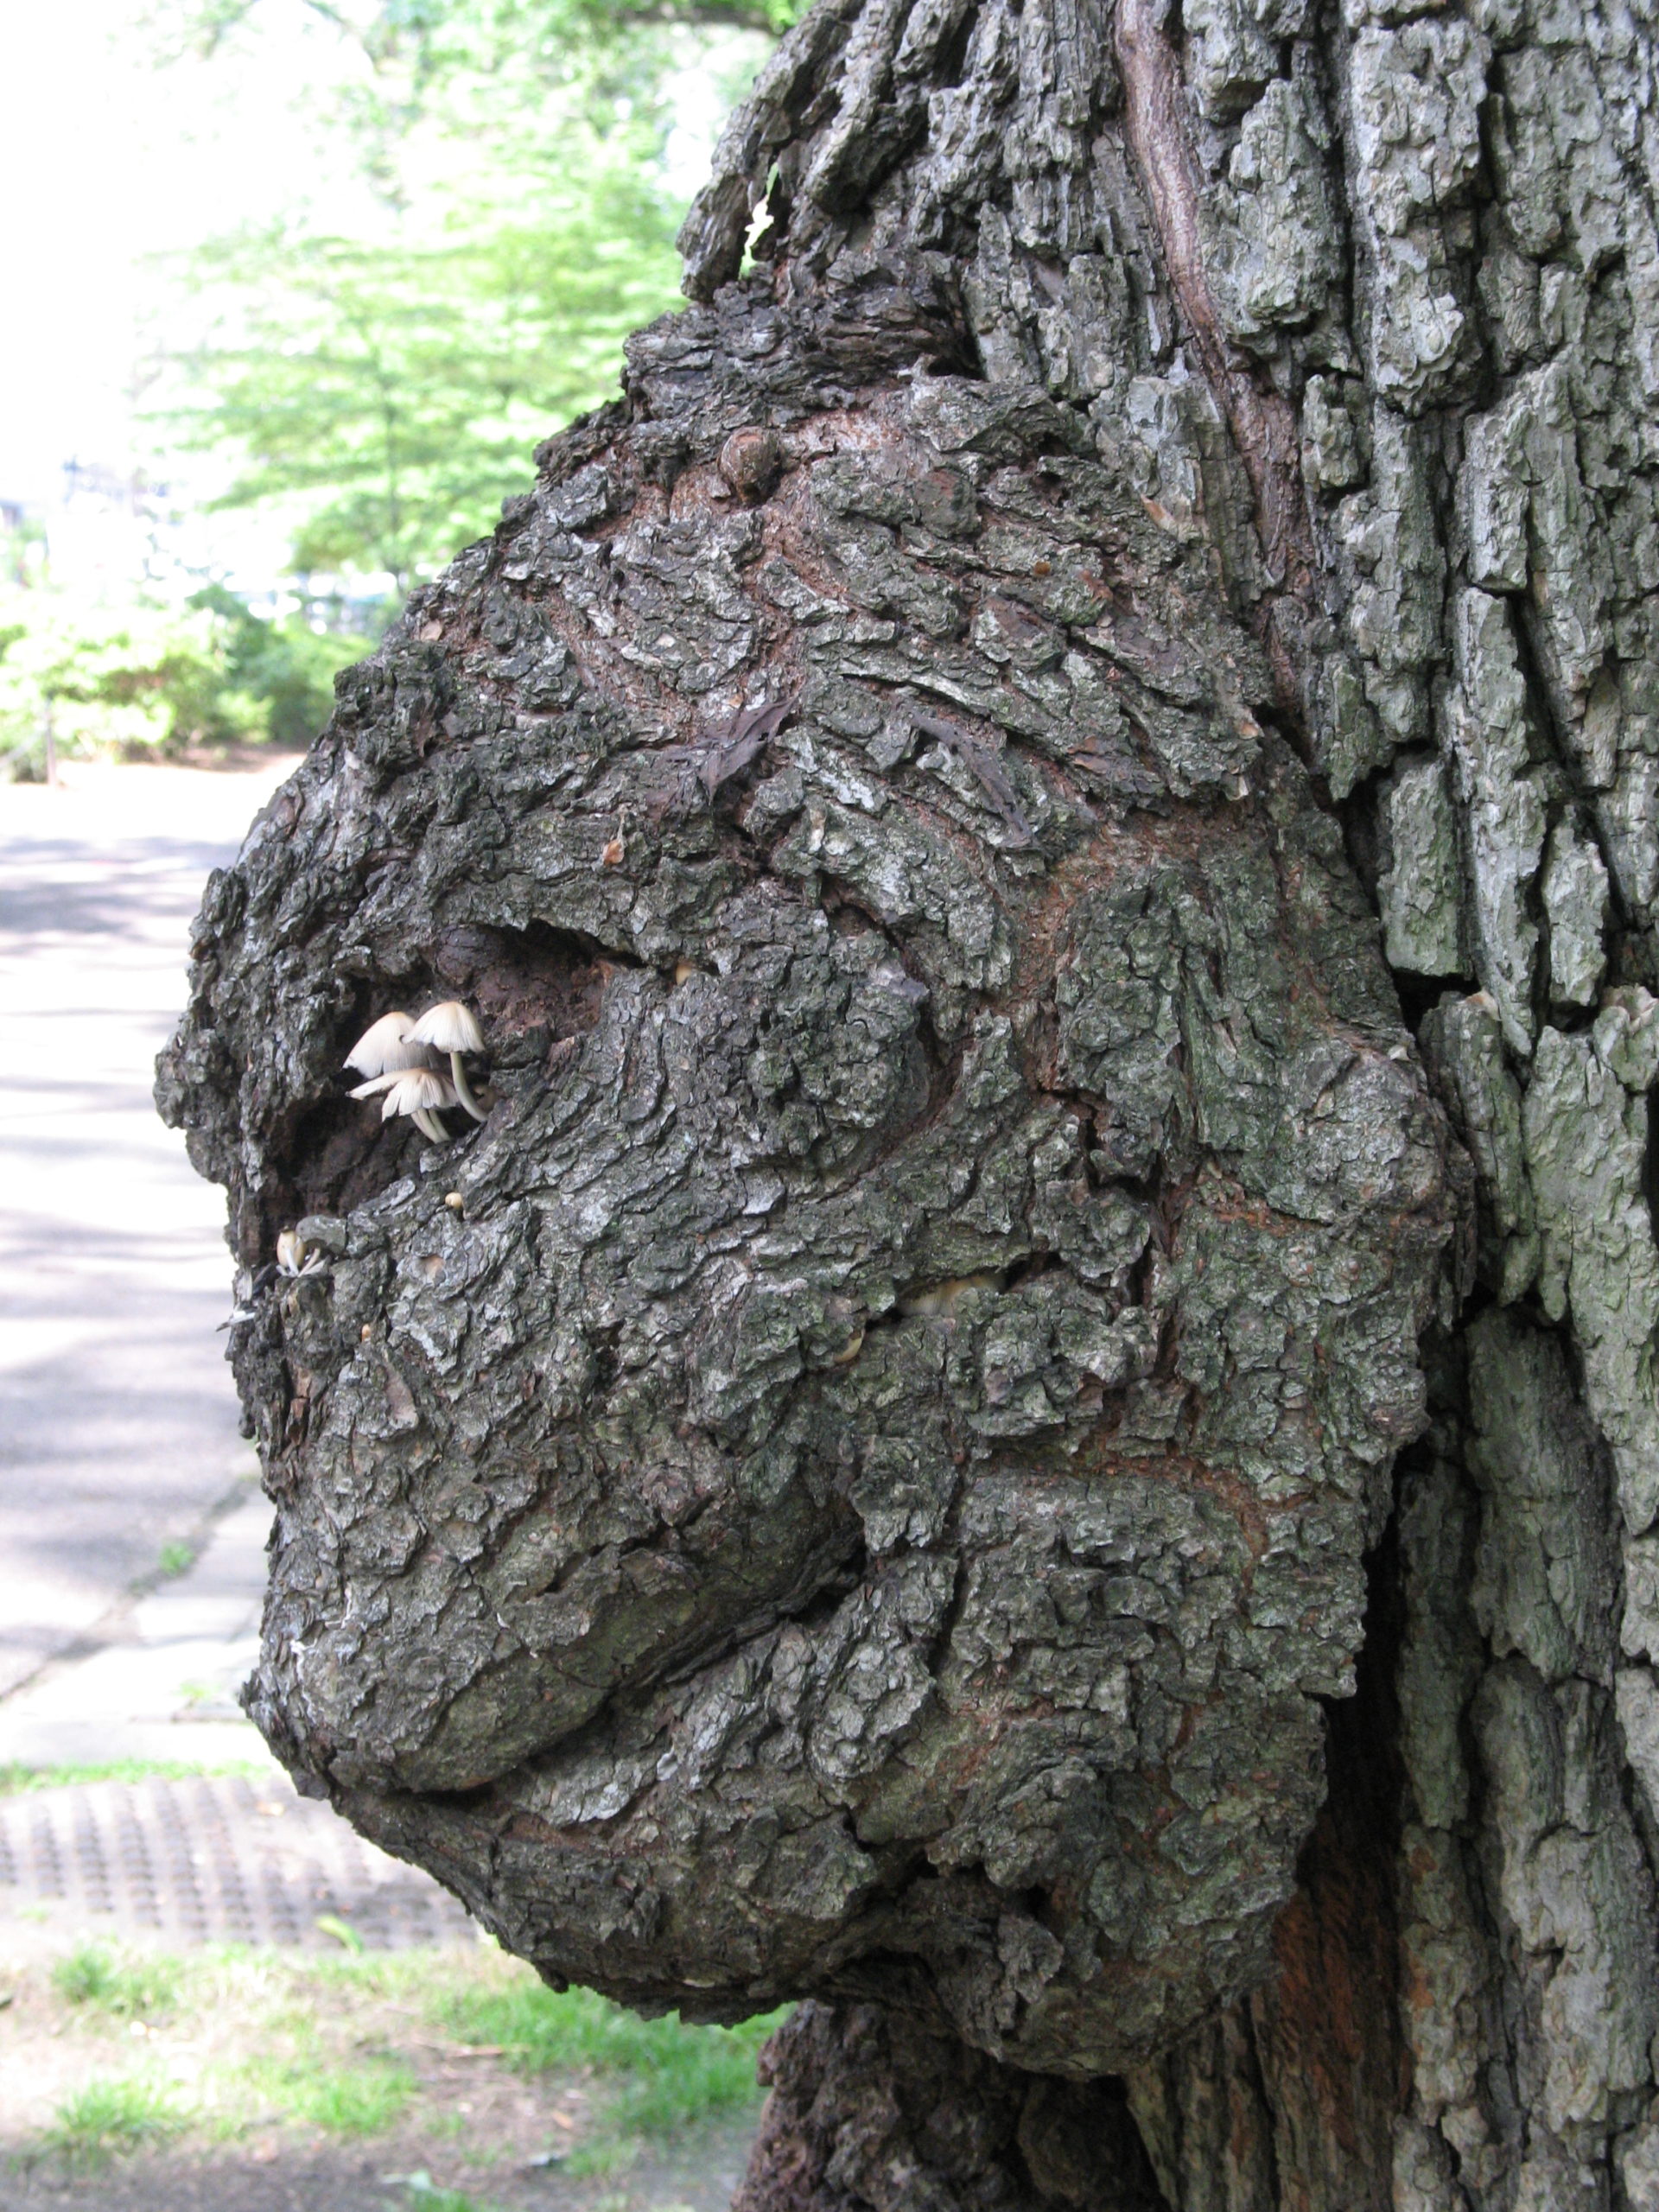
{"x": 864, "y": 1494}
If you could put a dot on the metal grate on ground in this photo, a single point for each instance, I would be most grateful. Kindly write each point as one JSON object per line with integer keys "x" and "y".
{"x": 213, "y": 1858}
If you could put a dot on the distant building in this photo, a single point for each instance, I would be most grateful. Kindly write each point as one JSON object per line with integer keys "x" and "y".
{"x": 104, "y": 535}
{"x": 113, "y": 533}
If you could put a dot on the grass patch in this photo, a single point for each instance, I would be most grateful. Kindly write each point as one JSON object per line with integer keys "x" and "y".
{"x": 425, "y": 2195}
{"x": 130, "y": 1988}
{"x": 14, "y": 1779}
{"x": 338, "y": 2045}
{"x": 350, "y": 2098}
{"x": 662, "y": 2074}
{"x": 175, "y": 1559}
{"x": 111, "y": 2115}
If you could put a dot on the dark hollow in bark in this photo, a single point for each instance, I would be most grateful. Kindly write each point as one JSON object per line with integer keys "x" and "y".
{"x": 864, "y": 2112}
{"x": 856, "y": 1480}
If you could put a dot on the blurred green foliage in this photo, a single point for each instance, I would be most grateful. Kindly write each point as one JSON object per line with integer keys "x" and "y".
{"x": 390, "y": 395}
{"x": 374, "y": 365}
{"x": 136, "y": 1987}
{"x": 280, "y": 675}
{"x": 419, "y": 44}
{"x": 136, "y": 678}
{"x": 382, "y": 386}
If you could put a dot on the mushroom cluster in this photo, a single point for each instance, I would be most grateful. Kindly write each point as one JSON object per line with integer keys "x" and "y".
{"x": 402, "y": 1063}
{"x": 294, "y": 1257}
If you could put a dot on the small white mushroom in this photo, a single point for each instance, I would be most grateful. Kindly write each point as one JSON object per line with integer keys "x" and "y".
{"x": 451, "y": 1027}
{"x": 422, "y": 1093}
{"x": 292, "y": 1257}
{"x": 386, "y": 1048}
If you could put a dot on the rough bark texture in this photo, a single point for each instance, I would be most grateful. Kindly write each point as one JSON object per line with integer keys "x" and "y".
{"x": 865, "y": 2111}
{"x": 856, "y": 1480}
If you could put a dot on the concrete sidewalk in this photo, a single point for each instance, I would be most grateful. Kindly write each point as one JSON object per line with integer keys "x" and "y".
{"x": 162, "y": 1688}
{"x": 118, "y": 1428}
{"x": 118, "y": 1418}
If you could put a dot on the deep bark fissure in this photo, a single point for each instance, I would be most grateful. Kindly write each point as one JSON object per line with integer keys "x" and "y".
{"x": 1262, "y": 422}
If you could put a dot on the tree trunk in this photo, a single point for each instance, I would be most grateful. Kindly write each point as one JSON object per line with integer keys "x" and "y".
{"x": 979, "y": 1300}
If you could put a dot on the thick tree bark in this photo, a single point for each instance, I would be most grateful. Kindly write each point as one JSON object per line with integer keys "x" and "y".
{"x": 857, "y": 1481}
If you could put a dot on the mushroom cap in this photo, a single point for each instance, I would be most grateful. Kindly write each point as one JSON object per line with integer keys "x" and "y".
{"x": 449, "y": 1026}
{"x": 417, "y": 1090}
{"x": 385, "y": 1047}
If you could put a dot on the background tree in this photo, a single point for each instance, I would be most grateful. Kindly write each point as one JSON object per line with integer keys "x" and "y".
{"x": 861, "y": 1488}
{"x": 381, "y": 384}
{"x": 148, "y": 680}
{"x": 385, "y": 395}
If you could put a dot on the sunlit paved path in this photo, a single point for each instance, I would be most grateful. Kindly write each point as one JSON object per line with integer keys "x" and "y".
{"x": 118, "y": 1419}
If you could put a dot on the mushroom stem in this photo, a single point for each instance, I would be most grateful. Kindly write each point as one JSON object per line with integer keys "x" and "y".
{"x": 430, "y": 1126}
{"x": 463, "y": 1089}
